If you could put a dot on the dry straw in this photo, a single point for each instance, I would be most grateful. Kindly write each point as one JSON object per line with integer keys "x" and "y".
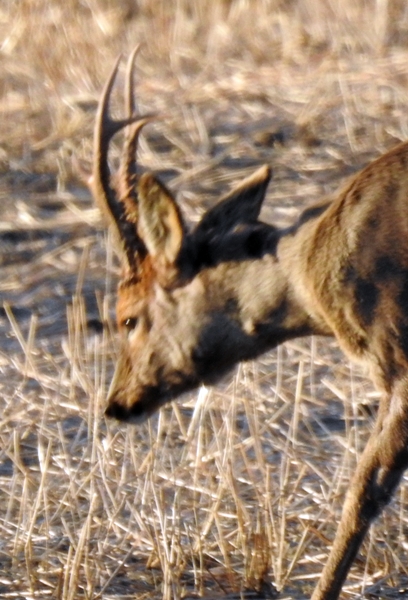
{"x": 232, "y": 488}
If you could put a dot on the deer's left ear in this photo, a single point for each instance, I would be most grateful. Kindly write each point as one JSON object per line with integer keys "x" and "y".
{"x": 160, "y": 223}
{"x": 241, "y": 205}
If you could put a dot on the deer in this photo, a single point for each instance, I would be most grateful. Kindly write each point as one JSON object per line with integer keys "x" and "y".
{"x": 194, "y": 302}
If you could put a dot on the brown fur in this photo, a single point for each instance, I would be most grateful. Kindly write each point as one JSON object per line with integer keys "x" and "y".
{"x": 193, "y": 304}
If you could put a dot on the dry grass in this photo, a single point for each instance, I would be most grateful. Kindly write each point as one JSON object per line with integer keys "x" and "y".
{"x": 230, "y": 488}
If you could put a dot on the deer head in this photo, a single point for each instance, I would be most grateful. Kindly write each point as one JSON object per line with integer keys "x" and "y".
{"x": 191, "y": 304}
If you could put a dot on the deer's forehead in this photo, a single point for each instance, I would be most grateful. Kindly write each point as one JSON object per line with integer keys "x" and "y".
{"x": 144, "y": 297}
{"x": 132, "y": 298}
{"x": 136, "y": 289}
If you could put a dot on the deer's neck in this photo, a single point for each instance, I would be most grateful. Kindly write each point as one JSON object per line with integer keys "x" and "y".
{"x": 303, "y": 274}
{"x": 268, "y": 296}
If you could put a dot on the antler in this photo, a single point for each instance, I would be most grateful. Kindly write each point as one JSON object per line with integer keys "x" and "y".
{"x": 120, "y": 203}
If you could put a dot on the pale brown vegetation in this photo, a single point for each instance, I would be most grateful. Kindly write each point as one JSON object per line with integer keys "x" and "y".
{"x": 209, "y": 495}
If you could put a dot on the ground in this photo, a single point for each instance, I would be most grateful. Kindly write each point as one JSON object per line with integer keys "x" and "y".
{"x": 232, "y": 488}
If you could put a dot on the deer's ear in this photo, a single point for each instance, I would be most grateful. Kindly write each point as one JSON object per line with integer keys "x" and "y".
{"x": 241, "y": 205}
{"x": 160, "y": 224}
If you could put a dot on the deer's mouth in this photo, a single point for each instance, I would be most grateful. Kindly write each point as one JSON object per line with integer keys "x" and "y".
{"x": 117, "y": 411}
{"x": 137, "y": 412}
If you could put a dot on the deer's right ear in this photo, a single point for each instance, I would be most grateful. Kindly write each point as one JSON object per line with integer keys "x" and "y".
{"x": 241, "y": 205}
{"x": 160, "y": 223}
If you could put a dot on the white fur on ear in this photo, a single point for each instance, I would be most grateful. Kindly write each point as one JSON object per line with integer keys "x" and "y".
{"x": 160, "y": 224}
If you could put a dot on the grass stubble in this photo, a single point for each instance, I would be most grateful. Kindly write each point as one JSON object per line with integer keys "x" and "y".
{"x": 232, "y": 488}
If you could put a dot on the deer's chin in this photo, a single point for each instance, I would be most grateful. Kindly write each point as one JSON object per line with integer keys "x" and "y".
{"x": 152, "y": 399}
{"x": 124, "y": 415}
{"x": 135, "y": 414}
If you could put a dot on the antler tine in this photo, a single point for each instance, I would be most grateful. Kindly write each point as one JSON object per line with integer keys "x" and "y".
{"x": 105, "y": 128}
{"x": 130, "y": 102}
{"x": 104, "y": 131}
{"x": 128, "y": 168}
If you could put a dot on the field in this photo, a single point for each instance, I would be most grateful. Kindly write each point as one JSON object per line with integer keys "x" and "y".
{"x": 229, "y": 491}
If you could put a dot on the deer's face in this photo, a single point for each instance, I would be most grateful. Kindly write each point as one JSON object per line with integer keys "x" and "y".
{"x": 173, "y": 340}
{"x": 159, "y": 334}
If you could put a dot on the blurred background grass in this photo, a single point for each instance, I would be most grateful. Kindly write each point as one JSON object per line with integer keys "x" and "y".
{"x": 233, "y": 488}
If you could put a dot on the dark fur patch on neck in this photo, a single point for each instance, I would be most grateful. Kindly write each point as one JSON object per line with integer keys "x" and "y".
{"x": 248, "y": 242}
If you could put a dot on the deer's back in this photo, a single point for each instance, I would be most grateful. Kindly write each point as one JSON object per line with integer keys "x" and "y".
{"x": 357, "y": 264}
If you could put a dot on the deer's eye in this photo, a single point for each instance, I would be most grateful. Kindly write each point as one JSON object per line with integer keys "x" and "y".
{"x": 130, "y": 324}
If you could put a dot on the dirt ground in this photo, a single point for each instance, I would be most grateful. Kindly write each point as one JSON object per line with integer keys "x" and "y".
{"x": 229, "y": 489}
